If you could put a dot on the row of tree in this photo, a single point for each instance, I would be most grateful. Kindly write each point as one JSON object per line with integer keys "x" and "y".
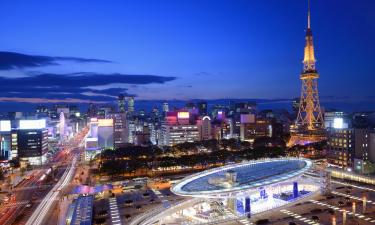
{"x": 131, "y": 159}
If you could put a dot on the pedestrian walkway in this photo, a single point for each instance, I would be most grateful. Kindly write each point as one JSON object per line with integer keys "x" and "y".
{"x": 245, "y": 221}
{"x": 299, "y": 217}
{"x": 115, "y": 216}
{"x": 165, "y": 202}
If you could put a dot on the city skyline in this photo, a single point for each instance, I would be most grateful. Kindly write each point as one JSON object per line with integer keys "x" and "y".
{"x": 151, "y": 51}
{"x": 187, "y": 112}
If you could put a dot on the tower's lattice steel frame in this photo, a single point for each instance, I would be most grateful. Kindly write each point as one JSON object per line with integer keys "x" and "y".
{"x": 309, "y": 126}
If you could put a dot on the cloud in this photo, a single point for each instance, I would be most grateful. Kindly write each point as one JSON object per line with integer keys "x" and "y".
{"x": 334, "y": 98}
{"x": 48, "y": 100}
{"x": 203, "y": 74}
{"x": 14, "y": 60}
{"x": 80, "y": 86}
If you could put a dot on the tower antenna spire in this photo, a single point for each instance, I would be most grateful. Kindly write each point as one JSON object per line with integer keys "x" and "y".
{"x": 308, "y": 14}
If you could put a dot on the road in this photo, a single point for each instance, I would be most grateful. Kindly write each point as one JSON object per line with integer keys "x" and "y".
{"x": 31, "y": 195}
{"x": 45, "y": 206}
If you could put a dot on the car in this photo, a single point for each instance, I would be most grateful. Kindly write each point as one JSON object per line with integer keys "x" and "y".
{"x": 315, "y": 218}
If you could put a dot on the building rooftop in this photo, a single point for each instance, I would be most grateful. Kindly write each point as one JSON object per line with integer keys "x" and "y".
{"x": 250, "y": 175}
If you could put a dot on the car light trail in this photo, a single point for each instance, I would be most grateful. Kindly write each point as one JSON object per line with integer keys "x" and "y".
{"x": 41, "y": 211}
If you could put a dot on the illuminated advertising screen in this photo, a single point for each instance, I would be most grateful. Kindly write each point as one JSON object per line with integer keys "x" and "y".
{"x": 338, "y": 123}
{"x": 5, "y": 125}
{"x": 247, "y": 118}
{"x": 32, "y": 124}
{"x": 105, "y": 122}
{"x": 91, "y": 139}
{"x": 183, "y": 115}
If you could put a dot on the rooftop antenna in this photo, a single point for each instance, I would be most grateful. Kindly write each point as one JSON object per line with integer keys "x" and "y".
{"x": 308, "y": 14}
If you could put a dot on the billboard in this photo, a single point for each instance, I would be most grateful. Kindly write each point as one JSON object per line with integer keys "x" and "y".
{"x": 183, "y": 115}
{"x": 32, "y": 124}
{"x": 338, "y": 123}
{"x": 5, "y": 125}
{"x": 105, "y": 122}
{"x": 247, "y": 118}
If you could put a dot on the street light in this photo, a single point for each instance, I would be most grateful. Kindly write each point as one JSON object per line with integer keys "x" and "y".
{"x": 364, "y": 199}
{"x": 333, "y": 220}
{"x": 353, "y": 208}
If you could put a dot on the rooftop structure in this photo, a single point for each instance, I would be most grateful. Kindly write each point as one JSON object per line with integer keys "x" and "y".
{"x": 249, "y": 176}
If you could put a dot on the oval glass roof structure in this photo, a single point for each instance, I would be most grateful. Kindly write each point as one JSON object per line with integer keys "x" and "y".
{"x": 242, "y": 176}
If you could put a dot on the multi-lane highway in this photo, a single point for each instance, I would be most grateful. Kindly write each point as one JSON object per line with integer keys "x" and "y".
{"x": 45, "y": 206}
{"x": 35, "y": 194}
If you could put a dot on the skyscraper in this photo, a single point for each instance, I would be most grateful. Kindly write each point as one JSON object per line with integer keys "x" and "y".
{"x": 309, "y": 126}
{"x": 62, "y": 126}
{"x": 121, "y": 103}
{"x": 202, "y": 107}
{"x": 165, "y": 107}
{"x": 131, "y": 104}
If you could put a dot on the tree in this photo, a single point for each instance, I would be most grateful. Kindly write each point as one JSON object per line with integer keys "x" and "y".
{"x": 368, "y": 167}
{"x": 1, "y": 174}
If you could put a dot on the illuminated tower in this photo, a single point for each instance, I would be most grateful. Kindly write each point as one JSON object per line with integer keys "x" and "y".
{"x": 309, "y": 126}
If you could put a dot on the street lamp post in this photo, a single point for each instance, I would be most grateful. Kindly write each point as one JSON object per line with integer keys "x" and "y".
{"x": 333, "y": 220}
{"x": 353, "y": 209}
{"x": 364, "y": 204}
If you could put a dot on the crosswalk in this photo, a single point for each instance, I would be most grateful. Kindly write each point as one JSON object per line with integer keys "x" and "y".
{"x": 230, "y": 214}
{"x": 358, "y": 215}
{"x": 299, "y": 217}
{"x": 114, "y": 212}
{"x": 245, "y": 221}
{"x": 165, "y": 202}
{"x": 352, "y": 197}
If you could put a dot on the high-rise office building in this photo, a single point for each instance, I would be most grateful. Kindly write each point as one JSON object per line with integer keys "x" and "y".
{"x": 205, "y": 128}
{"x": 5, "y": 140}
{"x": 364, "y": 148}
{"x": 121, "y": 103}
{"x": 120, "y": 134}
{"x": 62, "y": 126}
{"x": 202, "y": 108}
{"x": 105, "y": 133}
{"x": 131, "y": 105}
{"x": 30, "y": 145}
{"x": 165, "y": 107}
{"x": 92, "y": 110}
{"x": 177, "y": 128}
{"x": 340, "y": 151}
{"x": 295, "y": 105}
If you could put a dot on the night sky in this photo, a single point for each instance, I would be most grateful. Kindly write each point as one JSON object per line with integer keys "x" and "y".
{"x": 85, "y": 51}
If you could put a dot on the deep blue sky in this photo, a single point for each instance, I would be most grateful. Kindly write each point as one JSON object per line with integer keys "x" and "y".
{"x": 178, "y": 49}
